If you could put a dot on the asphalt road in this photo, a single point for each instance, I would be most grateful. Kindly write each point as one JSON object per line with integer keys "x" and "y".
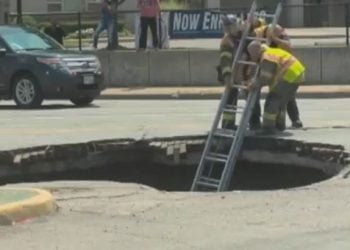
{"x": 60, "y": 122}
{"x": 109, "y": 216}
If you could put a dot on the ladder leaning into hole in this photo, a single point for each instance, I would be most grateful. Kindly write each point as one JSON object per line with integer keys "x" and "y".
{"x": 215, "y": 169}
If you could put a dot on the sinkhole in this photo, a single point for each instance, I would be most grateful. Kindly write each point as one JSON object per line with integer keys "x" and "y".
{"x": 170, "y": 164}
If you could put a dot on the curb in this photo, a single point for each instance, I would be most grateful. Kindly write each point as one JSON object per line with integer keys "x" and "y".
{"x": 41, "y": 204}
{"x": 210, "y": 96}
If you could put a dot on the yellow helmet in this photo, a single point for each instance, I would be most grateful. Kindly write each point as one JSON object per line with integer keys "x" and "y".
{"x": 262, "y": 21}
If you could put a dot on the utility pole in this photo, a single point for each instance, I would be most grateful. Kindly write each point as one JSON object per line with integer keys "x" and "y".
{"x": 19, "y": 12}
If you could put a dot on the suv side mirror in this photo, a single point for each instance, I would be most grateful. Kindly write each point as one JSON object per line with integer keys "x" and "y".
{"x": 3, "y": 52}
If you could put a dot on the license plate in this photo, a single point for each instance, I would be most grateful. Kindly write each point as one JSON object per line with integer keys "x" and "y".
{"x": 88, "y": 80}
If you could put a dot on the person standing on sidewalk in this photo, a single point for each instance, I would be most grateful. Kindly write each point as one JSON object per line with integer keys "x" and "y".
{"x": 150, "y": 12}
{"x": 107, "y": 22}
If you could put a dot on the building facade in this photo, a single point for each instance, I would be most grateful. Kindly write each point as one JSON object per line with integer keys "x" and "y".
{"x": 44, "y": 6}
{"x": 297, "y": 13}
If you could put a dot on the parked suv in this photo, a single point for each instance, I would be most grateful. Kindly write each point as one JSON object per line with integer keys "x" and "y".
{"x": 34, "y": 67}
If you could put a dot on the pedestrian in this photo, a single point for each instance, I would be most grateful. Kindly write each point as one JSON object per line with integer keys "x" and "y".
{"x": 150, "y": 14}
{"x": 279, "y": 39}
{"x": 107, "y": 22}
{"x": 232, "y": 27}
{"x": 55, "y": 31}
{"x": 283, "y": 73}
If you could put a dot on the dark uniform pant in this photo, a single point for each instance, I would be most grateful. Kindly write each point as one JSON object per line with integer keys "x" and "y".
{"x": 229, "y": 119}
{"x": 292, "y": 110}
{"x": 276, "y": 105}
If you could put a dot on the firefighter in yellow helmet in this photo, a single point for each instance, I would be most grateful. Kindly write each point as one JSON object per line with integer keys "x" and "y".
{"x": 283, "y": 73}
{"x": 232, "y": 26}
{"x": 279, "y": 39}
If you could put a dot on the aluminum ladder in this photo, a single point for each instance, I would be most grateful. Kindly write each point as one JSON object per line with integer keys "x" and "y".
{"x": 216, "y": 168}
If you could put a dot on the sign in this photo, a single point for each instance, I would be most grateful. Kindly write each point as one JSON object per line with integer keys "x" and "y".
{"x": 195, "y": 24}
{"x": 199, "y": 24}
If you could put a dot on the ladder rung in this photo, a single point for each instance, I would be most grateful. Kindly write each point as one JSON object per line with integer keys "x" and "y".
{"x": 226, "y": 133}
{"x": 214, "y": 158}
{"x": 234, "y": 111}
{"x": 233, "y": 107}
{"x": 248, "y": 63}
{"x": 238, "y": 86}
{"x": 206, "y": 184}
{"x": 218, "y": 156}
{"x": 261, "y": 39}
{"x": 209, "y": 180}
{"x": 265, "y": 15}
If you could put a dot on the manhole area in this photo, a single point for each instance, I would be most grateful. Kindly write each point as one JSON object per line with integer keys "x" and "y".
{"x": 247, "y": 176}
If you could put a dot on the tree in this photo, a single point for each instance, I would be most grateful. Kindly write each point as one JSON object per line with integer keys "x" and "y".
{"x": 115, "y": 41}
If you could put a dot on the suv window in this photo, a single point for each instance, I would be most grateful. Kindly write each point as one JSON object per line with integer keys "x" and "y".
{"x": 26, "y": 39}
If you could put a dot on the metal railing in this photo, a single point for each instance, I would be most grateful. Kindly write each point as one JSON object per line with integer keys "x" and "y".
{"x": 307, "y": 15}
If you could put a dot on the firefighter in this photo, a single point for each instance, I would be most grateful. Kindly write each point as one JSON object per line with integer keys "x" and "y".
{"x": 283, "y": 73}
{"x": 232, "y": 26}
{"x": 279, "y": 39}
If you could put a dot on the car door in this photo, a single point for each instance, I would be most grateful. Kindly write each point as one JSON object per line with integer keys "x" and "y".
{"x": 7, "y": 67}
{"x": 3, "y": 51}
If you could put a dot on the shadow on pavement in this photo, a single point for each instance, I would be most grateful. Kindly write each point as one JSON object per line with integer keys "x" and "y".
{"x": 50, "y": 107}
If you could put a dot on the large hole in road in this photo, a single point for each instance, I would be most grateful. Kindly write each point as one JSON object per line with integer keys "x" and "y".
{"x": 247, "y": 176}
{"x": 144, "y": 163}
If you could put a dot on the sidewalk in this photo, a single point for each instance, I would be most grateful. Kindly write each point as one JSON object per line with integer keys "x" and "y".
{"x": 21, "y": 204}
{"x": 316, "y": 91}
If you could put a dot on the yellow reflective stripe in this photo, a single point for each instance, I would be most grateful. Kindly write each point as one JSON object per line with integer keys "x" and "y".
{"x": 227, "y": 116}
{"x": 269, "y": 116}
{"x": 226, "y": 70}
{"x": 226, "y": 54}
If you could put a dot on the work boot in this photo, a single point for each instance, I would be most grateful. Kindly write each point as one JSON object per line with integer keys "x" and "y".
{"x": 297, "y": 124}
{"x": 281, "y": 126}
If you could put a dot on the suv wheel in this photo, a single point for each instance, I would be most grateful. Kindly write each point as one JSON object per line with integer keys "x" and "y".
{"x": 26, "y": 92}
{"x": 82, "y": 101}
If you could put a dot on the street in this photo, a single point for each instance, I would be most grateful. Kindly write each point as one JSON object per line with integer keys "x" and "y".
{"x": 109, "y": 216}
{"x": 60, "y": 122}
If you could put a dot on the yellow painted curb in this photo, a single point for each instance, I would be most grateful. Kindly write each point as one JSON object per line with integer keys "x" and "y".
{"x": 41, "y": 204}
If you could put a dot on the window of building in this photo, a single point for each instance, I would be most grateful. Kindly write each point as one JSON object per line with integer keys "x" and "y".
{"x": 54, "y": 5}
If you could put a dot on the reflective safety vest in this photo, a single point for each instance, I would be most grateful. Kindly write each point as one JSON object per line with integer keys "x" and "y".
{"x": 290, "y": 69}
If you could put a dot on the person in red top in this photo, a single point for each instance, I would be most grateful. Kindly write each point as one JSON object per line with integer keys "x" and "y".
{"x": 149, "y": 10}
